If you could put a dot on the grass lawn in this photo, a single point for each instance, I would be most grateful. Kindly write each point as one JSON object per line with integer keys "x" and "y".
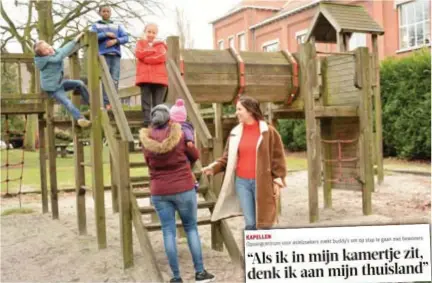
{"x": 66, "y": 171}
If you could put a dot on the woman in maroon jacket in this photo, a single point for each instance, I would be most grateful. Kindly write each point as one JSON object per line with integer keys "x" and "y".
{"x": 172, "y": 187}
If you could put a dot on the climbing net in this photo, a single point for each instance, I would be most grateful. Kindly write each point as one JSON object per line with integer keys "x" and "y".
{"x": 8, "y": 164}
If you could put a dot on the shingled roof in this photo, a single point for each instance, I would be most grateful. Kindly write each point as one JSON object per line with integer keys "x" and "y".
{"x": 333, "y": 18}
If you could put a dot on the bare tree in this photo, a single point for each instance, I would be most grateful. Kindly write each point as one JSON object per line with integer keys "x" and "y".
{"x": 58, "y": 21}
{"x": 183, "y": 28}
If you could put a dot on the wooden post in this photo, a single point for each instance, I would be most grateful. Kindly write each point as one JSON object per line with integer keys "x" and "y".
{"x": 78, "y": 154}
{"x": 217, "y": 240}
{"x": 173, "y": 43}
{"x": 52, "y": 157}
{"x": 365, "y": 138}
{"x": 114, "y": 188}
{"x": 42, "y": 151}
{"x": 125, "y": 204}
{"x": 378, "y": 111}
{"x": 42, "y": 164}
{"x": 96, "y": 138}
{"x": 307, "y": 63}
{"x": 340, "y": 42}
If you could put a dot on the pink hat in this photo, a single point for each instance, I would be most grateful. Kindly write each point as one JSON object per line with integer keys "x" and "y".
{"x": 178, "y": 111}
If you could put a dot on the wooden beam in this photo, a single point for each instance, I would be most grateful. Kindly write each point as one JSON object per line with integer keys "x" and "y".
{"x": 78, "y": 154}
{"x": 52, "y": 154}
{"x": 307, "y": 64}
{"x": 125, "y": 203}
{"x": 23, "y": 108}
{"x": 155, "y": 274}
{"x": 365, "y": 138}
{"x": 96, "y": 138}
{"x": 129, "y": 91}
{"x": 378, "y": 111}
{"x": 42, "y": 166}
{"x": 117, "y": 109}
{"x": 336, "y": 111}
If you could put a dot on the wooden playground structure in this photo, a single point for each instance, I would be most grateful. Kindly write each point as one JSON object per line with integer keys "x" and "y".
{"x": 337, "y": 94}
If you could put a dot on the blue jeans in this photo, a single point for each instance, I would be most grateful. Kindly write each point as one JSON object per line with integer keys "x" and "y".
{"x": 113, "y": 62}
{"x": 60, "y": 95}
{"x": 246, "y": 192}
{"x": 186, "y": 205}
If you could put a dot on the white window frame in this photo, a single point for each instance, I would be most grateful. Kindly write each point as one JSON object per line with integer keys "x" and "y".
{"x": 353, "y": 43}
{"x": 219, "y": 44}
{"x": 239, "y": 42}
{"x": 424, "y": 22}
{"x": 300, "y": 33}
{"x": 233, "y": 39}
{"x": 269, "y": 43}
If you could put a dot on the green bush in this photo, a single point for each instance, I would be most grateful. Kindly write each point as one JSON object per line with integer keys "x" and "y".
{"x": 406, "y": 105}
{"x": 293, "y": 133}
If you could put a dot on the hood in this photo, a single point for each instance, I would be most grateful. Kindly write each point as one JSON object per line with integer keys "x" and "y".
{"x": 41, "y": 61}
{"x": 166, "y": 145}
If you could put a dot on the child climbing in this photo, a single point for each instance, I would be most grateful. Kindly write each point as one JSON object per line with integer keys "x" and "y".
{"x": 50, "y": 63}
{"x": 151, "y": 73}
{"x": 178, "y": 114}
{"x": 110, "y": 37}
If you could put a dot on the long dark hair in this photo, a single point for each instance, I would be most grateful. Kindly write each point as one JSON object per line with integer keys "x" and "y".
{"x": 252, "y": 106}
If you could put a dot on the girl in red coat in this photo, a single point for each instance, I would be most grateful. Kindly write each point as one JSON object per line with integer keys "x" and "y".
{"x": 151, "y": 73}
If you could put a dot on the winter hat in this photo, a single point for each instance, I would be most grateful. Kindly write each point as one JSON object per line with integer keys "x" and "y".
{"x": 178, "y": 111}
{"x": 160, "y": 115}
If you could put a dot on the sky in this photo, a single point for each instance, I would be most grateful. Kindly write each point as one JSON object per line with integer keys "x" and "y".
{"x": 198, "y": 12}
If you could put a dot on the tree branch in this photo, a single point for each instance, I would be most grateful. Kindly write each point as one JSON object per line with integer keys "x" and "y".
{"x": 12, "y": 28}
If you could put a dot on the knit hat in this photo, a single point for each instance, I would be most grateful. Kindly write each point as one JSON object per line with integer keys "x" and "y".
{"x": 159, "y": 115}
{"x": 178, "y": 111}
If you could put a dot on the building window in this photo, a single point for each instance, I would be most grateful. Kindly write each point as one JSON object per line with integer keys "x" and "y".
{"x": 357, "y": 40}
{"x": 301, "y": 36}
{"x": 231, "y": 41}
{"x": 221, "y": 44}
{"x": 271, "y": 46}
{"x": 414, "y": 24}
{"x": 242, "y": 42}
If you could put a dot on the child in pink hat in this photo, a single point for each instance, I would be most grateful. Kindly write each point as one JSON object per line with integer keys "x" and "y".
{"x": 178, "y": 114}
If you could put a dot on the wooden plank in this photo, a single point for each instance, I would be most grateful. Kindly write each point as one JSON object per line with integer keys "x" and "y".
{"x": 146, "y": 192}
{"x": 78, "y": 154}
{"x": 307, "y": 64}
{"x": 200, "y": 204}
{"x": 116, "y": 105}
{"x": 22, "y": 108}
{"x": 129, "y": 91}
{"x": 378, "y": 111}
{"x": 193, "y": 112}
{"x": 125, "y": 203}
{"x": 151, "y": 227}
{"x": 42, "y": 166}
{"x": 336, "y": 111}
{"x": 150, "y": 262}
{"x": 13, "y": 57}
{"x": 366, "y": 165}
{"x": 52, "y": 158}
{"x": 23, "y": 96}
{"x": 96, "y": 138}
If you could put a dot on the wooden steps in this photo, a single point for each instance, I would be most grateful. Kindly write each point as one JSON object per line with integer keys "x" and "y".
{"x": 201, "y": 204}
{"x": 146, "y": 192}
{"x": 157, "y": 226}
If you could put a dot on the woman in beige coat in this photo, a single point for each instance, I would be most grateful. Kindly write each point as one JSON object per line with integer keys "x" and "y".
{"x": 255, "y": 170}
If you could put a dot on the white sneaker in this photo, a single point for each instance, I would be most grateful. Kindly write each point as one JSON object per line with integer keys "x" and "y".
{"x": 83, "y": 123}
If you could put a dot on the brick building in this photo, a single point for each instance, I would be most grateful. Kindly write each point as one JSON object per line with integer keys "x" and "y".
{"x": 275, "y": 25}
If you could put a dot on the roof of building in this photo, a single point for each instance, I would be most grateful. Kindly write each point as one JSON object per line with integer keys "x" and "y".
{"x": 291, "y": 7}
{"x": 334, "y": 18}
{"x": 274, "y": 5}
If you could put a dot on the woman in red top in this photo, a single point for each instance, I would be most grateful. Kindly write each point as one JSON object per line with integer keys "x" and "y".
{"x": 151, "y": 73}
{"x": 254, "y": 165}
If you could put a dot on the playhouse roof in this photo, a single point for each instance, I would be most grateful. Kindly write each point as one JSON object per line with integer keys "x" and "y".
{"x": 333, "y": 18}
